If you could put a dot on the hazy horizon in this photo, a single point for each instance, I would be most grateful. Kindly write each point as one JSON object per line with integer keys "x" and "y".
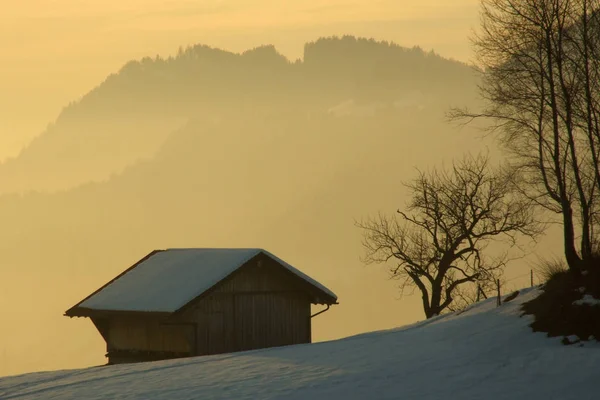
{"x": 210, "y": 149}
{"x": 55, "y": 52}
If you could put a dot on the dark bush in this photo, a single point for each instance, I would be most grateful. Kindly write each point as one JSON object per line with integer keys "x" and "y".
{"x": 547, "y": 269}
{"x": 554, "y": 311}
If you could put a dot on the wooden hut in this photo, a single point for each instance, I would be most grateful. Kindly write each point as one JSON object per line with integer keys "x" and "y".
{"x": 189, "y": 302}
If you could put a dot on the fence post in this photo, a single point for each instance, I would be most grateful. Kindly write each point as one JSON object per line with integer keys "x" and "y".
{"x": 531, "y": 278}
{"x": 498, "y": 300}
{"x": 478, "y": 291}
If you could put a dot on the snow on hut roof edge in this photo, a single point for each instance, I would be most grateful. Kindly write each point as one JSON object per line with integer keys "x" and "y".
{"x": 176, "y": 276}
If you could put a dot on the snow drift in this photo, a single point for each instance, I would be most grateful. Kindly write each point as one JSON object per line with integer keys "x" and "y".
{"x": 486, "y": 352}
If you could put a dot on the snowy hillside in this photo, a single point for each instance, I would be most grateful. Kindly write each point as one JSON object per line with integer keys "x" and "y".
{"x": 483, "y": 353}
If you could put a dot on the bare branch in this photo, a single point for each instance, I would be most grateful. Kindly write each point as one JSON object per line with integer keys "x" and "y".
{"x": 435, "y": 244}
{"x": 541, "y": 88}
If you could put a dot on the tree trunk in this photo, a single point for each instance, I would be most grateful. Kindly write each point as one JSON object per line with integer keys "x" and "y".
{"x": 436, "y": 299}
{"x": 426, "y": 307}
{"x": 573, "y": 259}
{"x": 571, "y": 255}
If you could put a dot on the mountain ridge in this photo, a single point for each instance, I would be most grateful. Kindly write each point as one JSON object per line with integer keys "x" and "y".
{"x": 132, "y": 112}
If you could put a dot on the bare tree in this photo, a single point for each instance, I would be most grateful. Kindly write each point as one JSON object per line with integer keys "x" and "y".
{"x": 540, "y": 82}
{"x": 437, "y": 245}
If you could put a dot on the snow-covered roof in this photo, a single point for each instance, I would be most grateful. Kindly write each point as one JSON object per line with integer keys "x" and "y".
{"x": 167, "y": 280}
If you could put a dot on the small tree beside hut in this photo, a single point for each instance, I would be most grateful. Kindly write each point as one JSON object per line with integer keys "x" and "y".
{"x": 437, "y": 243}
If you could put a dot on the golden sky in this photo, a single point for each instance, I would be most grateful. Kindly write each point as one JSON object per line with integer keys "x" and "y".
{"x": 54, "y": 51}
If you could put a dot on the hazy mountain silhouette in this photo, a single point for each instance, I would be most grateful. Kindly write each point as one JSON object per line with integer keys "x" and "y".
{"x": 246, "y": 150}
{"x": 131, "y": 114}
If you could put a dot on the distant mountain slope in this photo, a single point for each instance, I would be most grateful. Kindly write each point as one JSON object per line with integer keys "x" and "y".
{"x": 130, "y": 115}
{"x": 483, "y": 353}
{"x": 290, "y": 183}
{"x": 284, "y": 172}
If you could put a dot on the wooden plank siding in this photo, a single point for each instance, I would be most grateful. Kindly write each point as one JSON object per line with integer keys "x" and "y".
{"x": 261, "y": 305}
{"x": 148, "y": 335}
{"x": 269, "y": 320}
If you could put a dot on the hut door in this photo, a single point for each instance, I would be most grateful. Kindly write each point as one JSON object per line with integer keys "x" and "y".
{"x": 216, "y": 330}
{"x": 220, "y": 325}
{"x": 270, "y": 319}
{"x": 253, "y": 319}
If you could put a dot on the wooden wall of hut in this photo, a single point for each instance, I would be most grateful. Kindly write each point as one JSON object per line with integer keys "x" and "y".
{"x": 148, "y": 335}
{"x": 261, "y": 305}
